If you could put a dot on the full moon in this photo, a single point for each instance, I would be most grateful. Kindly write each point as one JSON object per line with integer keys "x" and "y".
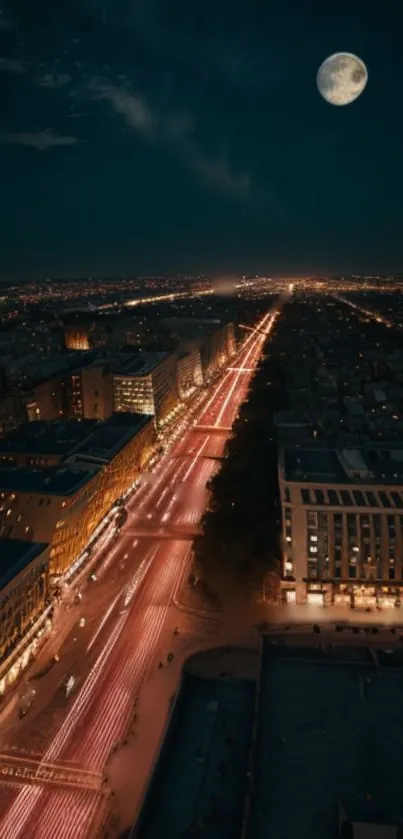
{"x": 341, "y": 78}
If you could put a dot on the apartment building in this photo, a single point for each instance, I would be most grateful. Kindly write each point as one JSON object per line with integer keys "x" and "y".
{"x": 342, "y": 515}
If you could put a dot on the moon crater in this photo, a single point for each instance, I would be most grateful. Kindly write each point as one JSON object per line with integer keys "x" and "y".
{"x": 341, "y": 78}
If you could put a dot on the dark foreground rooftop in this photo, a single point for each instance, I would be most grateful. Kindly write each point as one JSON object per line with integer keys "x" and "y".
{"x": 199, "y": 786}
{"x": 330, "y": 732}
{"x": 15, "y": 555}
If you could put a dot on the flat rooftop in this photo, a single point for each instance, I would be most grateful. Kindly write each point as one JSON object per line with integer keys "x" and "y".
{"x": 199, "y": 786}
{"x": 347, "y": 465}
{"x": 70, "y": 437}
{"x": 55, "y": 480}
{"x": 137, "y": 364}
{"x": 330, "y": 731}
{"x": 110, "y": 437}
{"x": 47, "y": 437}
{"x": 16, "y": 554}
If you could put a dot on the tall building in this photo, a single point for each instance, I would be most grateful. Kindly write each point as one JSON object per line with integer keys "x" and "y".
{"x": 342, "y": 525}
{"x": 145, "y": 383}
{"x": 24, "y": 594}
{"x": 88, "y": 392}
{"x": 189, "y": 373}
{"x": 230, "y": 334}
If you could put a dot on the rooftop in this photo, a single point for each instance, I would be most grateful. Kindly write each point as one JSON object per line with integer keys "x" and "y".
{"x": 137, "y": 364}
{"x": 54, "y": 480}
{"x": 71, "y": 437}
{"x": 323, "y": 465}
{"x": 329, "y": 731}
{"x": 205, "y": 756}
{"x": 47, "y": 437}
{"x": 16, "y": 554}
{"x": 110, "y": 437}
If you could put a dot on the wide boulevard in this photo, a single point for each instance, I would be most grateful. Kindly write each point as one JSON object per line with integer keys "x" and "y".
{"x": 52, "y": 760}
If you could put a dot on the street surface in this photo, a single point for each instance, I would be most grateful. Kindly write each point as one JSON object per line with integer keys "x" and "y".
{"x": 130, "y": 614}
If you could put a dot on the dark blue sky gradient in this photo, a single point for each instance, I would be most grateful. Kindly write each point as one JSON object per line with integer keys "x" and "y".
{"x": 147, "y": 135}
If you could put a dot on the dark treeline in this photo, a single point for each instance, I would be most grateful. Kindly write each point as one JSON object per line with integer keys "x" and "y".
{"x": 240, "y": 541}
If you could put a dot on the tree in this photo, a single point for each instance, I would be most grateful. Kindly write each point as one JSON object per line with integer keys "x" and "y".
{"x": 239, "y": 545}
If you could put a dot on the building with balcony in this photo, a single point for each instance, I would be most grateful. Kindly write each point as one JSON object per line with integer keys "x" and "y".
{"x": 342, "y": 515}
{"x": 24, "y": 596}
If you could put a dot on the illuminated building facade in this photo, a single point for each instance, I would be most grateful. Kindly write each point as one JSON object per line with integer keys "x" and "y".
{"x": 63, "y": 504}
{"x": 342, "y": 526}
{"x": 44, "y": 401}
{"x": 145, "y": 383}
{"x": 214, "y": 350}
{"x": 189, "y": 373}
{"x": 24, "y": 596}
{"x": 76, "y": 339}
{"x": 230, "y": 335}
{"x": 88, "y": 392}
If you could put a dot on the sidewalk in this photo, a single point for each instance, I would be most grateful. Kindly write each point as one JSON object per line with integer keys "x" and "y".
{"x": 130, "y": 769}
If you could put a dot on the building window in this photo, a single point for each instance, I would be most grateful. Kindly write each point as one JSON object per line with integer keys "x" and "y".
{"x": 334, "y": 497}
{"x": 287, "y": 495}
{"x": 359, "y": 498}
{"x": 346, "y": 498}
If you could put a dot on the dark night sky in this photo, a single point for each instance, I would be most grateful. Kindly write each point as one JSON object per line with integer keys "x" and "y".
{"x": 171, "y": 135}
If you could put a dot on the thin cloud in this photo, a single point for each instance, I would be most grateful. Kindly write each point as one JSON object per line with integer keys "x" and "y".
{"x": 40, "y": 140}
{"x": 51, "y": 80}
{"x": 176, "y": 131}
{"x": 10, "y": 65}
{"x": 133, "y": 108}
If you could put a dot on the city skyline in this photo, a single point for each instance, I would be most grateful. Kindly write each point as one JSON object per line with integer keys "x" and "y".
{"x": 133, "y": 141}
